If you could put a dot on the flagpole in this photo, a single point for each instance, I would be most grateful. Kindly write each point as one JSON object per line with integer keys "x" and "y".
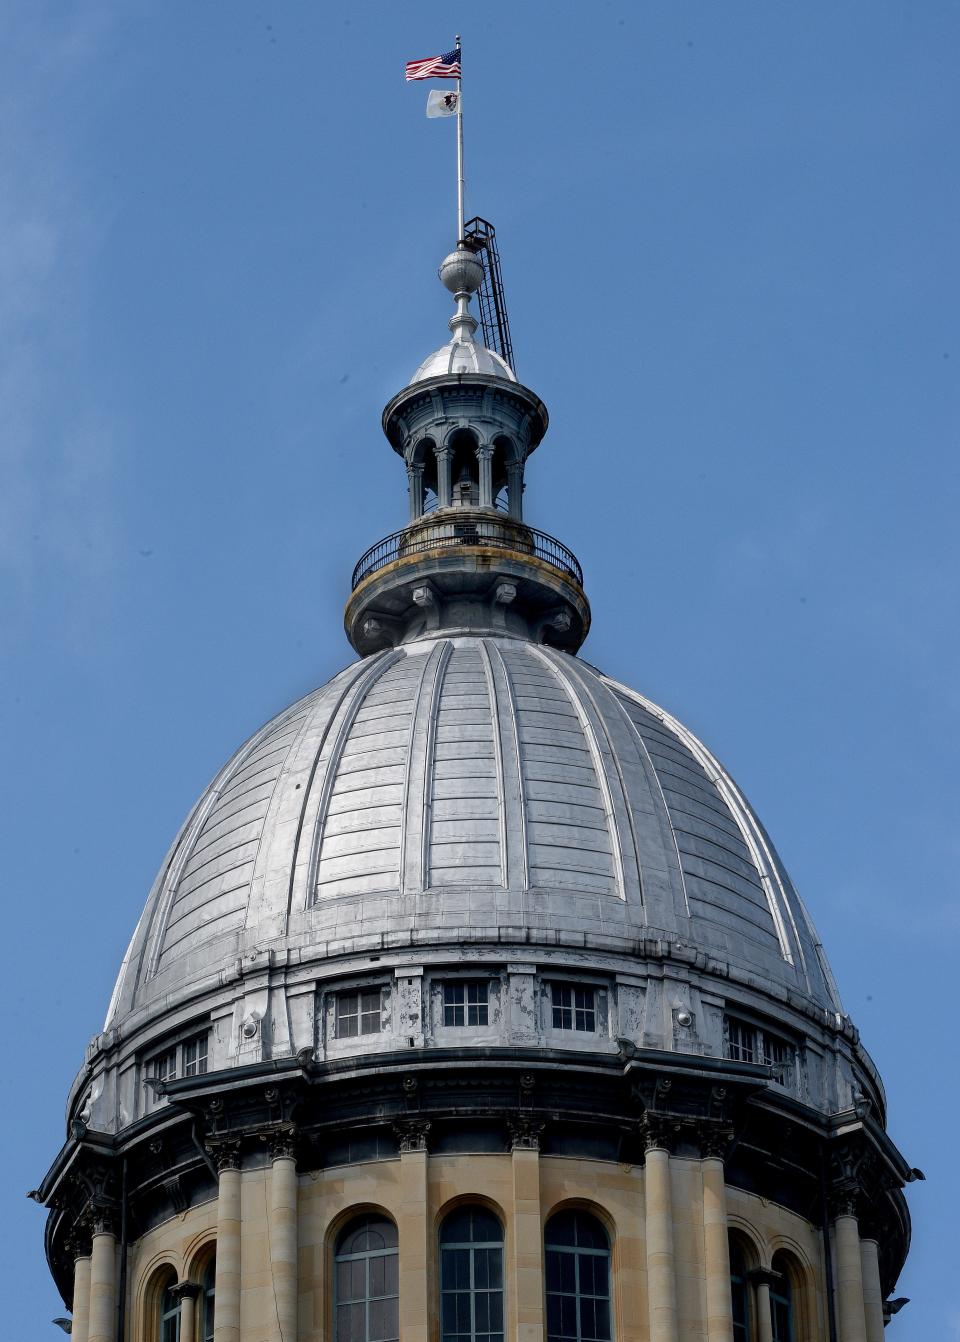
{"x": 459, "y": 153}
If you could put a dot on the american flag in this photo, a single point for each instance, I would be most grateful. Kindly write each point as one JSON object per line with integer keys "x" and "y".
{"x": 446, "y": 66}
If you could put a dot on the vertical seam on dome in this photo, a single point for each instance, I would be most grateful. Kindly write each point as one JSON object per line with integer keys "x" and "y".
{"x": 748, "y": 827}
{"x": 603, "y": 783}
{"x": 521, "y": 791}
{"x": 435, "y": 665}
{"x": 652, "y": 773}
{"x": 361, "y": 685}
{"x": 614, "y": 756}
{"x": 184, "y": 848}
{"x": 498, "y": 758}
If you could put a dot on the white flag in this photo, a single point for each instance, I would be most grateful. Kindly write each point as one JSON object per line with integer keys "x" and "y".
{"x": 440, "y": 102}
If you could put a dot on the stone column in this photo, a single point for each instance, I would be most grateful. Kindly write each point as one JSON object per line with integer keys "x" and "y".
{"x": 515, "y": 491}
{"x": 283, "y": 1235}
{"x": 761, "y": 1278}
{"x": 716, "y": 1247}
{"x": 415, "y": 489}
{"x": 187, "y": 1292}
{"x": 872, "y": 1290}
{"x": 485, "y": 458}
{"x": 850, "y": 1307}
{"x": 414, "y": 1230}
{"x": 80, "y": 1329}
{"x": 527, "y": 1231}
{"x": 444, "y": 484}
{"x": 226, "y": 1326}
{"x": 661, "y": 1272}
{"x": 103, "y": 1284}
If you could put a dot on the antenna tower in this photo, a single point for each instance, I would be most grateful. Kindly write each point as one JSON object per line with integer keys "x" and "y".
{"x": 480, "y": 237}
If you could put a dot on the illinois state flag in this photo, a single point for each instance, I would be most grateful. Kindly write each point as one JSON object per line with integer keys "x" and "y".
{"x": 442, "y": 103}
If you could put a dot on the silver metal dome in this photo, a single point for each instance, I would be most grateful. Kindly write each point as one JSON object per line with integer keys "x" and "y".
{"x": 463, "y": 356}
{"x": 464, "y": 788}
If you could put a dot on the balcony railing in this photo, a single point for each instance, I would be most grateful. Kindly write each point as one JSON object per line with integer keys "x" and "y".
{"x": 452, "y": 535}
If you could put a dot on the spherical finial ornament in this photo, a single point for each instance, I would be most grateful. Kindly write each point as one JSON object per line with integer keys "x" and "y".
{"x": 461, "y": 272}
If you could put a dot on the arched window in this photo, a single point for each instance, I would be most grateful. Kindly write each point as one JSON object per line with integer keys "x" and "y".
{"x": 577, "y": 1262}
{"x": 781, "y": 1301}
{"x": 170, "y": 1314}
{"x": 365, "y": 1282}
{"x": 207, "y": 1301}
{"x": 739, "y": 1291}
{"x": 471, "y": 1276}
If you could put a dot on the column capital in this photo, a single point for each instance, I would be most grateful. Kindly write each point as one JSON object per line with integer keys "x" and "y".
{"x": 412, "y": 1133}
{"x": 715, "y": 1139}
{"x": 282, "y": 1143}
{"x": 79, "y": 1243}
{"x": 103, "y": 1217}
{"x": 658, "y": 1132}
{"x": 225, "y": 1153}
{"x": 525, "y": 1132}
{"x": 187, "y": 1290}
{"x": 763, "y": 1276}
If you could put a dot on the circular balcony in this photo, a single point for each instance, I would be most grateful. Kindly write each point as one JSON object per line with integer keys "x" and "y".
{"x": 454, "y": 534}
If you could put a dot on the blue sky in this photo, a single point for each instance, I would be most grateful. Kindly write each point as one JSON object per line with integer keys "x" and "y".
{"x": 729, "y": 245}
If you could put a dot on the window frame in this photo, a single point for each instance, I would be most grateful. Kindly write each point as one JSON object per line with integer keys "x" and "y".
{"x": 762, "y": 1043}
{"x": 165, "y": 1061}
{"x": 472, "y": 1246}
{"x": 577, "y": 1295}
{"x": 357, "y": 994}
{"x": 557, "y": 986}
{"x": 350, "y": 1227}
{"x": 481, "y": 1008}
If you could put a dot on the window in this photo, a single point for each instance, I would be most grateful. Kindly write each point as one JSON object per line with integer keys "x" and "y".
{"x": 574, "y": 1008}
{"x": 169, "y": 1315}
{"x": 187, "y": 1058}
{"x": 365, "y": 1282}
{"x": 739, "y": 1292}
{"x": 207, "y": 1301}
{"x": 577, "y": 1264}
{"x": 466, "y": 1003}
{"x": 471, "y": 1277}
{"x": 752, "y": 1043}
{"x": 359, "y": 1013}
{"x": 781, "y": 1303}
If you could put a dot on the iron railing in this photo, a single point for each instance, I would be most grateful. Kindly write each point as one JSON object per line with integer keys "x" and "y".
{"x": 450, "y": 535}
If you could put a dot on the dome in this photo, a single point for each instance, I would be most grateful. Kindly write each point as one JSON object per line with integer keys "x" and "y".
{"x": 474, "y": 788}
{"x": 463, "y": 356}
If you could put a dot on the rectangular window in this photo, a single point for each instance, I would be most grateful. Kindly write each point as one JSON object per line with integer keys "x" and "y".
{"x": 466, "y": 1003}
{"x": 194, "y": 1055}
{"x": 574, "y": 1008}
{"x": 359, "y": 1013}
{"x": 165, "y": 1066}
{"x": 741, "y": 1041}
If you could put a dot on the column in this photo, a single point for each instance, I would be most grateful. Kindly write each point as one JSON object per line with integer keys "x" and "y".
{"x": 187, "y": 1292}
{"x": 444, "y": 465}
{"x": 661, "y": 1274}
{"x": 716, "y": 1248}
{"x": 283, "y": 1235}
{"x": 761, "y": 1278}
{"x": 850, "y": 1308}
{"x": 527, "y": 1230}
{"x": 515, "y": 491}
{"x": 415, "y": 489}
{"x": 80, "y": 1329}
{"x": 872, "y": 1290}
{"x": 226, "y": 1326}
{"x": 103, "y": 1284}
{"x": 485, "y": 458}
{"x": 414, "y": 1230}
